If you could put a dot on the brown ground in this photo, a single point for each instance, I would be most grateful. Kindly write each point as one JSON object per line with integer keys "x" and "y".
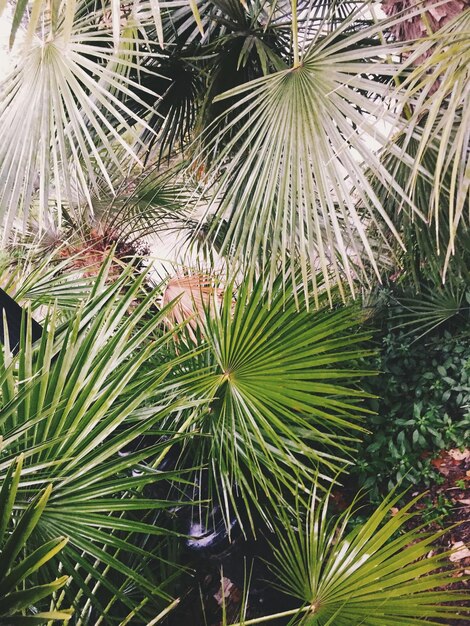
{"x": 447, "y": 505}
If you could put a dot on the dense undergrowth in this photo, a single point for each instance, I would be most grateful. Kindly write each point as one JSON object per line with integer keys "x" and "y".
{"x": 423, "y": 398}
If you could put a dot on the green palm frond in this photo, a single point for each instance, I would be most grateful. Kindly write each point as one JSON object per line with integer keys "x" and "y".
{"x": 421, "y": 313}
{"x": 153, "y": 203}
{"x": 276, "y": 401}
{"x": 377, "y": 574}
{"x": 71, "y": 403}
{"x": 284, "y": 180}
{"x": 19, "y": 596}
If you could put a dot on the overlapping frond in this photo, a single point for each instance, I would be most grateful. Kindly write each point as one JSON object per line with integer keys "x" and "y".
{"x": 275, "y": 406}
{"x": 19, "y": 595}
{"x": 284, "y": 180}
{"x": 71, "y": 403}
{"x": 113, "y": 9}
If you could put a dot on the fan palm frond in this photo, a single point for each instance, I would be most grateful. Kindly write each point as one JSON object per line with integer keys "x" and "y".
{"x": 421, "y": 313}
{"x": 41, "y": 282}
{"x": 71, "y": 403}
{"x": 426, "y": 240}
{"x": 113, "y": 10}
{"x": 284, "y": 180}
{"x": 62, "y": 119}
{"x": 275, "y": 406}
{"x": 438, "y": 91}
{"x": 148, "y": 205}
{"x": 377, "y": 574}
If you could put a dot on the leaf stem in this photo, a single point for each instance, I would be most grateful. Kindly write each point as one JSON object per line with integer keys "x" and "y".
{"x": 295, "y": 34}
{"x": 270, "y": 618}
{"x": 165, "y": 611}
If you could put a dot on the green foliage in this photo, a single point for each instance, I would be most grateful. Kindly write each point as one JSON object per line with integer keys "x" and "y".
{"x": 277, "y": 393}
{"x": 71, "y": 403}
{"x": 424, "y": 403}
{"x": 437, "y": 511}
{"x": 277, "y": 109}
{"x": 374, "y": 575}
{"x": 20, "y": 595}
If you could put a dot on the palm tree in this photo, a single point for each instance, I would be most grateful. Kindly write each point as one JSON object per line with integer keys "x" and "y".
{"x": 294, "y": 141}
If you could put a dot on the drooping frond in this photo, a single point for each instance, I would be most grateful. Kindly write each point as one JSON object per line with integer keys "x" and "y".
{"x": 439, "y": 92}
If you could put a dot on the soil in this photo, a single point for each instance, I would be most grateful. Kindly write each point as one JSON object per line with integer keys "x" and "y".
{"x": 447, "y": 505}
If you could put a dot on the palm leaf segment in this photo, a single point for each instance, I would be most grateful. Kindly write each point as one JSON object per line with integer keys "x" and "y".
{"x": 71, "y": 403}
{"x": 281, "y": 178}
{"x": 17, "y": 592}
{"x": 272, "y": 379}
{"x": 368, "y": 576}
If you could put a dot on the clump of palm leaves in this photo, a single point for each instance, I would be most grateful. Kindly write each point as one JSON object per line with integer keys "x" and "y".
{"x": 256, "y": 403}
{"x": 305, "y": 136}
{"x": 376, "y": 573}
{"x": 19, "y": 595}
{"x": 70, "y": 403}
{"x": 108, "y": 91}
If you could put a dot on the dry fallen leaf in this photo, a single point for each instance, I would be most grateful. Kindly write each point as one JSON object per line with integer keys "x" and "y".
{"x": 460, "y": 551}
{"x": 226, "y": 590}
{"x": 459, "y": 455}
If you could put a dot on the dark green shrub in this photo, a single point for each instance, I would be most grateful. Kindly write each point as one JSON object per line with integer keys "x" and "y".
{"x": 423, "y": 403}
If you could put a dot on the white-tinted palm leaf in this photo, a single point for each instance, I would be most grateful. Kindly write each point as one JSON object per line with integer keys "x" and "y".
{"x": 63, "y": 120}
{"x": 114, "y": 8}
{"x": 285, "y": 179}
{"x": 439, "y": 89}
